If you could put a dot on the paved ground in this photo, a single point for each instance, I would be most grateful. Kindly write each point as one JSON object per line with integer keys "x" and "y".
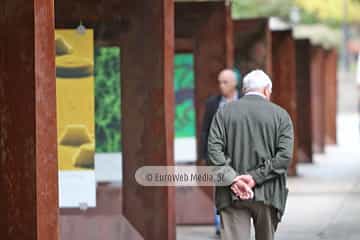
{"x": 324, "y": 200}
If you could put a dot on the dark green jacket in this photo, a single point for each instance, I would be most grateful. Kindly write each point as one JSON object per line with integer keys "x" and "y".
{"x": 252, "y": 136}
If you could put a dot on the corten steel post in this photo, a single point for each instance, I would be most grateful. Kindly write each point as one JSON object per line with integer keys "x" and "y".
{"x": 318, "y": 98}
{"x": 252, "y": 45}
{"x": 28, "y": 152}
{"x": 284, "y": 80}
{"x": 213, "y": 52}
{"x": 330, "y": 95}
{"x": 205, "y": 28}
{"x": 303, "y": 89}
{"x": 148, "y": 108}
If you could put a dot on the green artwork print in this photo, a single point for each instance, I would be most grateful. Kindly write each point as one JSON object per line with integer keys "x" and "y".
{"x": 184, "y": 95}
{"x": 108, "y": 99}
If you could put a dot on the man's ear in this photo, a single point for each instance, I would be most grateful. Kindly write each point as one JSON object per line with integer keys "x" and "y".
{"x": 267, "y": 93}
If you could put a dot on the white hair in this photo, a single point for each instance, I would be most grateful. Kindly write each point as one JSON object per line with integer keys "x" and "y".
{"x": 255, "y": 80}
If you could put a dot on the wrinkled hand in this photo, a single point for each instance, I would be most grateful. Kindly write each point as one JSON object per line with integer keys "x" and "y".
{"x": 248, "y": 179}
{"x": 241, "y": 189}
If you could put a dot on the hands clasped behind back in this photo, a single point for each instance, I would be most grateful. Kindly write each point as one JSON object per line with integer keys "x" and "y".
{"x": 242, "y": 186}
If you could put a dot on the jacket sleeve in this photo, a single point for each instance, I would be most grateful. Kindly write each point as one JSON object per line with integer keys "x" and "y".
{"x": 272, "y": 168}
{"x": 216, "y": 150}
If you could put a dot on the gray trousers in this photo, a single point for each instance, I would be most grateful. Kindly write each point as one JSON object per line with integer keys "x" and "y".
{"x": 236, "y": 221}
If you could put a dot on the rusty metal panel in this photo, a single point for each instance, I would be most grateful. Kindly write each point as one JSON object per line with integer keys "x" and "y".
{"x": 184, "y": 45}
{"x": 190, "y": 17}
{"x": 148, "y": 115}
{"x": 303, "y": 89}
{"x": 211, "y": 56}
{"x": 284, "y": 80}
{"x": 330, "y": 95}
{"x": 204, "y": 28}
{"x": 106, "y": 221}
{"x": 252, "y": 45}
{"x": 213, "y": 52}
{"x": 318, "y": 98}
{"x": 110, "y": 19}
{"x": 28, "y": 153}
{"x": 199, "y": 212}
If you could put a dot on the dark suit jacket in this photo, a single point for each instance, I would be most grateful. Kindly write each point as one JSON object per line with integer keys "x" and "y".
{"x": 211, "y": 106}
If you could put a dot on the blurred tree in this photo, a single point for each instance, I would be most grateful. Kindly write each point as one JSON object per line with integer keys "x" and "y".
{"x": 312, "y": 11}
{"x": 261, "y": 8}
{"x": 332, "y": 10}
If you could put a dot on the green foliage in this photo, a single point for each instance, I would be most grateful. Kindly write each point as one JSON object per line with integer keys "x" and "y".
{"x": 107, "y": 100}
{"x": 261, "y": 8}
{"x": 330, "y": 12}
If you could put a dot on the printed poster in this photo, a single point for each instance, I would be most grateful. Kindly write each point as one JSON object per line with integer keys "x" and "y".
{"x": 75, "y": 117}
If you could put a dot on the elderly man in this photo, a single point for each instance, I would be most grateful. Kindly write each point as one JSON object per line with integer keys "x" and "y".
{"x": 251, "y": 142}
{"x": 228, "y": 92}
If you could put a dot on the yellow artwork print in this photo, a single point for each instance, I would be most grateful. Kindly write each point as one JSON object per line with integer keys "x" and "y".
{"x": 75, "y": 99}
